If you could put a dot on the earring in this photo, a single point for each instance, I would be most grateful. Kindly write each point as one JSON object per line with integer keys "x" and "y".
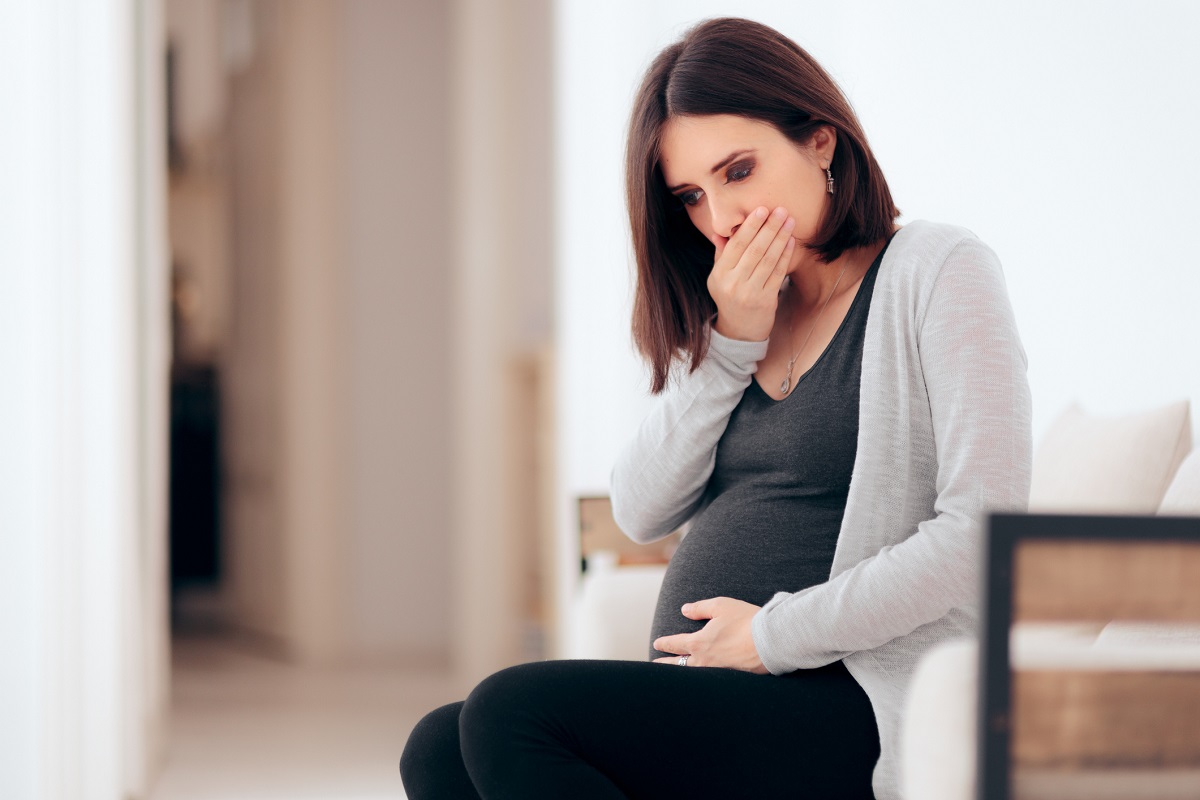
{"x": 829, "y": 180}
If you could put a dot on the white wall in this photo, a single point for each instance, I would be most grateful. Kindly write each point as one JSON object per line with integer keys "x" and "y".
{"x": 253, "y": 540}
{"x": 82, "y": 415}
{"x": 338, "y": 371}
{"x": 398, "y": 269}
{"x": 314, "y": 486}
{"x": 1063, "y": 134}
{"x": 500, "y": 241}
{"x": 389, "y": 226}
{"x": 147, "y": 642}
{"x": 283, "y": 383}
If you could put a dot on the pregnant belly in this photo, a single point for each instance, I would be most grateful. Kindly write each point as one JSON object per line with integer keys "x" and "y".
{"x": 785, "y": 551}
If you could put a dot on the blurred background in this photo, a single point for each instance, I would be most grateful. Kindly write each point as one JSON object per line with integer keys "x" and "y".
{"x": 315, "y": 332}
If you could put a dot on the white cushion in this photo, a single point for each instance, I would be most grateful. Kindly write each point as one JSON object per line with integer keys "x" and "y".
{"x": 613, "y": 612}
{"x": 1109, "y": 464}
{"x": 937, "y": 741}
{"x": 1119, "y": 645}
{"x": 1183, "y": 495}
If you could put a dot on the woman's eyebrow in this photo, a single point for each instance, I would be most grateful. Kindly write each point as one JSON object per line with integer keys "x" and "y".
{"x": 716, "y": 167}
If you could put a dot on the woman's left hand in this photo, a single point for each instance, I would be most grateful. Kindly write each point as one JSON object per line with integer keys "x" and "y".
{"x": 725, "y": 641}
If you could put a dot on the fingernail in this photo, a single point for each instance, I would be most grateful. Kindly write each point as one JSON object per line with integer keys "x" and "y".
{"x": 791, "y": 223}
{"x": 687, "y": 607}
{"x": 760, "y": 212}
{"x": 780, "y": 212}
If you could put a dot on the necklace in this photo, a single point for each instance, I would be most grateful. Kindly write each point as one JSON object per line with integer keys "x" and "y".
{"x": 786, "y": 386}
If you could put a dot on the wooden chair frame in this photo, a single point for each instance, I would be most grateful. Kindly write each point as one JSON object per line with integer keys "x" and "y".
{"x": 1006, "y": 533}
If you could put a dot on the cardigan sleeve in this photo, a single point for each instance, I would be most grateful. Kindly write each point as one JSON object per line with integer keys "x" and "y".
{"x": 974, "y": 370}
{"x": 658, "y": 481}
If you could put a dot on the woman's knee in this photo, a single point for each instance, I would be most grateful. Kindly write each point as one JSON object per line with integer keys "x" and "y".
{"x": 519, "y": 696}
{"x": 431, "y": 764}
{"x": 500, "y": 697}
{"x": 504, "y": 725}
{"x": 509, "y": 712}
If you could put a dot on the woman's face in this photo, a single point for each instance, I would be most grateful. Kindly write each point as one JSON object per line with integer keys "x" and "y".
{"x": 722, "y": 167}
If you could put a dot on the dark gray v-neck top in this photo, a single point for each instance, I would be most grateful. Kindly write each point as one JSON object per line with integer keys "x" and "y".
{"x": 775, "y": 500}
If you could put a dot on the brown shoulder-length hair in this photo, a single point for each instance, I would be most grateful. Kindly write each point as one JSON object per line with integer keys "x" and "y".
{"x": 744, "y": 68}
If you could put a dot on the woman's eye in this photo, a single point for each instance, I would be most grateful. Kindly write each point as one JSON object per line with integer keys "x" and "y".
{"x": 690, "y": 198}
{"x": 739, "y": 172}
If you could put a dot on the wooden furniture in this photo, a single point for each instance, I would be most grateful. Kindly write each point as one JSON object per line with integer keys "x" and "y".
{"x": 599, "y": 534}
{"x": 1114, "y": 710}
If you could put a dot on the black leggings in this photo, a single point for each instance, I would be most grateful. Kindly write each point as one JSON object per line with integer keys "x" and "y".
{"x": 630, "y": 729}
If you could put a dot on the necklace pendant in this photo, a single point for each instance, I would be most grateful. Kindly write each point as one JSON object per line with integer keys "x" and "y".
{"x": 787, "y": 384}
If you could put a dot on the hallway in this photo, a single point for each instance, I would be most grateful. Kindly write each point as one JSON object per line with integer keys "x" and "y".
{"x": 246, "y": 727}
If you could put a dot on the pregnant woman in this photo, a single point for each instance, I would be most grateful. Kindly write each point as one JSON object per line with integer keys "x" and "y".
{"x": 841, "y": 402}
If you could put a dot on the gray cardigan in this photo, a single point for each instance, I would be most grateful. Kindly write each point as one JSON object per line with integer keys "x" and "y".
{"x": 944, "y": 438}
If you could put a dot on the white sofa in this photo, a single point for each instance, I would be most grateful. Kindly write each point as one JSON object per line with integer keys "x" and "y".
{"x": 1133, "y": 464}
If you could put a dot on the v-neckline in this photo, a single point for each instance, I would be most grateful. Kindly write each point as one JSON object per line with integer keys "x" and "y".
{"x": 875, "y": 264}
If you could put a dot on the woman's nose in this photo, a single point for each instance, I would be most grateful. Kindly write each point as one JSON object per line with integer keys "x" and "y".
{"x": 726, "y": 218}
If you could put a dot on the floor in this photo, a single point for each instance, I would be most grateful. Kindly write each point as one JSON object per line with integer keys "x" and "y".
{"x": 246, "y": 727}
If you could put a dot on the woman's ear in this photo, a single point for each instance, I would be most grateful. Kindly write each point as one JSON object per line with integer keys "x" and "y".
{"x": 823, "y": 143}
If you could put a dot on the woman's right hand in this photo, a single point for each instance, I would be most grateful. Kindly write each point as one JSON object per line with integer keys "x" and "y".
{"x": 748, "y": 272}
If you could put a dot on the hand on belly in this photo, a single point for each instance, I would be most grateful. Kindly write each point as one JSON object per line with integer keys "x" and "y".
{"x": 724, "y": 641}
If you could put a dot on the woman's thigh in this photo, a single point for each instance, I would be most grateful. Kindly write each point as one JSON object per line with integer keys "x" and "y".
{"x": 637, "y": 729}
